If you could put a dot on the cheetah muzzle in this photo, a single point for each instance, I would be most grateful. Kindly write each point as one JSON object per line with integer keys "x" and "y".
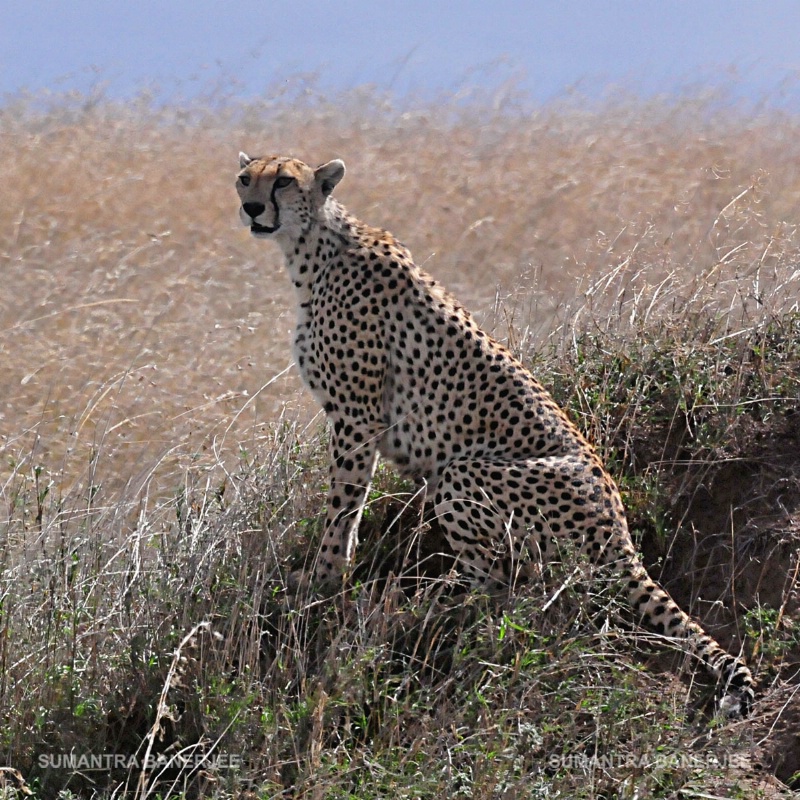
{"x": 402, "y": 370}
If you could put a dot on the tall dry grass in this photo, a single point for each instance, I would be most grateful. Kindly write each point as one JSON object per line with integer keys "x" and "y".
{"x": 156, "y": 479}
{"x": 138, "y": 321}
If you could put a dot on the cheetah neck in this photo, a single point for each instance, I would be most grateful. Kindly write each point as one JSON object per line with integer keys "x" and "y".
{"x": 334, "y": 231}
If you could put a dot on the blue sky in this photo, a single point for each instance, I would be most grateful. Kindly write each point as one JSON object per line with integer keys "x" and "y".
{"x": 423, "y": 46}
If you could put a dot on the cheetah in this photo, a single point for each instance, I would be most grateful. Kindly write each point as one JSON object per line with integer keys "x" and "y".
{"x": 401, "y": 369}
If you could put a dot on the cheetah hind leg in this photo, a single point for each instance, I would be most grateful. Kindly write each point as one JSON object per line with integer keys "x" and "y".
{"x": 496, "y": 513}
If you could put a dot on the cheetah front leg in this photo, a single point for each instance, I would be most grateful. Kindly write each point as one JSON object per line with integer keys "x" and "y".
{"x": 351, "y": 469}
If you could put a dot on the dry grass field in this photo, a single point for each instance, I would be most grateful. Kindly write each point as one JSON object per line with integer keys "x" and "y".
{"x": 138, "y": 320}
{"x": 160, "y": 465}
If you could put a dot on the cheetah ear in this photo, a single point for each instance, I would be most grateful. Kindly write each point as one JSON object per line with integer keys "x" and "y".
{"x": 328, "y": 175}
{"x": 244, "y": 160}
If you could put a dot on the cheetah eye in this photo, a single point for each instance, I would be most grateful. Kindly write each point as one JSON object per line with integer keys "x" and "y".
{"x": 245, "y": 180}
{"x": 282, "y": 182}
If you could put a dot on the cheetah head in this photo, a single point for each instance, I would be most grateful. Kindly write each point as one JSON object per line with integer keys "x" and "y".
{"x": 282, "y": 197}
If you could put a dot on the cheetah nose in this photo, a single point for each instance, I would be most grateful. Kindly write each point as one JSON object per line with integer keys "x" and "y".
{"x": 253, "y": 210}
